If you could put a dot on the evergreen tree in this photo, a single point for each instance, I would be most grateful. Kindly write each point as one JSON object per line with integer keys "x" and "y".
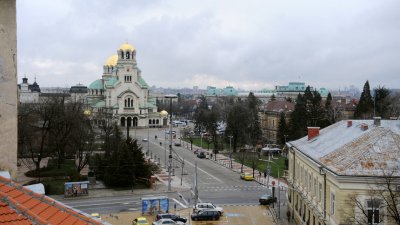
{"x": 365, "y": 106}
{"x": 382, "y": 102}
{"x": 298, "y": 119}
{"x": 328, "y": 115}
{"x": 201, "y": 114}
{"x": 237, "y": 122}
{"x": 125, "y": 164}
{"x": 282, "y": 128}
{"x": 254, "y": 127}
{"x": 273, "y": 98}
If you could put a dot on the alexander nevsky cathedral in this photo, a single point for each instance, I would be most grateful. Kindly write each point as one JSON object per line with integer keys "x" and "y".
{"x": 122, "y": 93}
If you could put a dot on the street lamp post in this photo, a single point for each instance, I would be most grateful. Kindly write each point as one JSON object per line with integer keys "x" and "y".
{"x": 230, "y": 149}
{"x": 279, "y": 192}
{"x": 170, "y": 141}
{"x": 148, "y": 133}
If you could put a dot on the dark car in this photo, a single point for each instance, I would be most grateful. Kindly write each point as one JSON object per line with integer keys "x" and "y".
{"x": 206, "y": 215}
{"x": 267, "y": 199}
{"x": 201, "y": 155}
{"x": 173, "y": 217}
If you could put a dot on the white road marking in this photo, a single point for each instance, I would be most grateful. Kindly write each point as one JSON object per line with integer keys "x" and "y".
{"x": 204, "y": 171}
{"x": 180, "y": 203}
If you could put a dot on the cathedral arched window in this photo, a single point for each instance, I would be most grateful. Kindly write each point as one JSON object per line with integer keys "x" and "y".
{"x": 131, "y": 102}
{"x": 122, "y": 55}
{"x": 123, "y": 121}
{"x": 125, "y": 103}
{"x": 97, "y": 92}
{"x": 128, "y": 55}
{"x": 157, "y": 121}
{"x": 149, "y": 122}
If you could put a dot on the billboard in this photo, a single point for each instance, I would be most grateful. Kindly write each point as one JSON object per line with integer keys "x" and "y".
{"x": 75, "y": 189}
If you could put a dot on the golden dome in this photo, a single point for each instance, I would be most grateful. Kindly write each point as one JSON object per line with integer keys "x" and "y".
{"x": 163, "y": 113}
{"x": 127, "y": 46}
{"x": 112, "y": 60}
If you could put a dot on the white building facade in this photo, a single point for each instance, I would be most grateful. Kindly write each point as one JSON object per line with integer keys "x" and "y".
{"x": 122, "y": 92}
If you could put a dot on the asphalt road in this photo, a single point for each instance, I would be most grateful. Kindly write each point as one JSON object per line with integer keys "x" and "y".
{"x": 216, "y": 183}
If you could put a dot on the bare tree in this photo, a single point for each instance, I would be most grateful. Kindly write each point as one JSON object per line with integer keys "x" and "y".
{"x": 34, "y": 124}
{"x": 382, "y": 201}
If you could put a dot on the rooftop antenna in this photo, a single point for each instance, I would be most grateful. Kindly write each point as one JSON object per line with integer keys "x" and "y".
{"x": 35, "y": 77}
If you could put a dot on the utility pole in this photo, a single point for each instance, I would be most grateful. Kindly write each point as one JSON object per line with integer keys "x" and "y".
{"x": 170, "y": 141}
{"x": 230, "y": 149}
{"x": 196, "y": 191}
{"x": 183, "y": 163}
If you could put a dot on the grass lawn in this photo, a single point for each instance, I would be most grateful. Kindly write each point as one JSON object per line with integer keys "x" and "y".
{"x": 277, "y": 161}
{"x": 66, "y": 169}
{"x": 260, "y": 165}
{"x": 197, "y": 142}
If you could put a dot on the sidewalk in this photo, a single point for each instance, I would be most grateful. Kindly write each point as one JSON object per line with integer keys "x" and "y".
{"x": 226, "y": 162}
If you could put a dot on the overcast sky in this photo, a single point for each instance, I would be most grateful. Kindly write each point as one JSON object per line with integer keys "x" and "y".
{"x": 247, "y": 44}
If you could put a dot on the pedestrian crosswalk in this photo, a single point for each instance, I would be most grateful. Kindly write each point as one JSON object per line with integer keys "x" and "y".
{"x": 232, "y": 188}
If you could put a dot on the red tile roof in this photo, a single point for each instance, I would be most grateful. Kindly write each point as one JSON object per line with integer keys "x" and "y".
{"x": 19, "y": 205}
{"x": 279, "y": 106}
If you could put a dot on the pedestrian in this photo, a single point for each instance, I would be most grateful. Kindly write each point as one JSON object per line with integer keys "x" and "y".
{"x": 259, "y": 173}
{"x": 160, "y": 143}
{"x": 155, "y": 137}
{"x": 288, "y": 215}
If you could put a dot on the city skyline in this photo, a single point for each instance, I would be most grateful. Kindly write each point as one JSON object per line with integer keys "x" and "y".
{"x": 184, "y": 44}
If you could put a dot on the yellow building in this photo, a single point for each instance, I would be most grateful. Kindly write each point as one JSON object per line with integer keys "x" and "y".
{"x": 332, "y": 172}
{"x": 270, "y": 119}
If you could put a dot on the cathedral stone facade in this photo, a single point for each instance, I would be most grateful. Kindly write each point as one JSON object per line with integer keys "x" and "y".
{"x": 122, "y": 93}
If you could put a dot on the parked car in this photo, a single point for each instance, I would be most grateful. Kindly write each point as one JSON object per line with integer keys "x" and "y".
{"x": 201, "y": 155}
{"x": 267, "y": 199}
{"x": 166, "y": 222}
{"x": 177, "y": 144}
{"x": 145, "y": 140}
{"x": 173, "y": 217}
{"x": 206, "y": 206}
{"x": 96, "y": 215}
{"x": 209, "y": 214}
{"x": 167, "y": 132}
{"x": 246, "y": 176}
{"x": 140, "y": 221}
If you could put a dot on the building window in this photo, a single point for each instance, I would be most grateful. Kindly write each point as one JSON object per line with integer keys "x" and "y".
{"x": 315, "y": 186}
{"x": 333, "y": 199}
{"x": 373, "y": 211}
{"x": 129, "y": 102}
{"x": 309, "y": 182}
{"x": 319, "y": 192}
{"x": 128, "y": 79}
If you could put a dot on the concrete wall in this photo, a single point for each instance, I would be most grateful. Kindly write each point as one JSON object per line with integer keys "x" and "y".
{"x": 8, "y": 86}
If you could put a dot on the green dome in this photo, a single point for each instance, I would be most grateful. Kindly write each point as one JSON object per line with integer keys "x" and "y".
{"x": 100, "y": 104}
{"x": 97, "y": 84}
{"x": 112, "y": 81}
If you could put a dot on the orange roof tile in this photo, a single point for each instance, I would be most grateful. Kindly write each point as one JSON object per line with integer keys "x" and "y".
{"x": 18, "y": 205}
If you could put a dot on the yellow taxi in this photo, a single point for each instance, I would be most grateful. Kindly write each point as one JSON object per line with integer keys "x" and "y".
{"x": 140, "y": 221}
{"x": 246, "y": 176}
{"x": 96, "y": 215}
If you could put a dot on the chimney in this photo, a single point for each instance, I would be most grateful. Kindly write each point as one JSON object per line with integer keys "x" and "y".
{"x": 377, "y": 121}
{"x": 349, "y": 123}
{"x": 313, "y": 132}
{"x": 364, "y": 127}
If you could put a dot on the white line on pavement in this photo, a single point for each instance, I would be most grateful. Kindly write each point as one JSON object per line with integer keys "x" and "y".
{"x": 180, "y": 203}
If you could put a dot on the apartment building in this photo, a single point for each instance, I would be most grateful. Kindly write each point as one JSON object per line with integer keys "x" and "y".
{"x": 332, "y": 172}
{"x": 270, "y": 118}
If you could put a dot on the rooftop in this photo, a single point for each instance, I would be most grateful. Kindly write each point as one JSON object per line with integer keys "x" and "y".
{"x": 19, "y": 205}
{"x": 352, "y": 150}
